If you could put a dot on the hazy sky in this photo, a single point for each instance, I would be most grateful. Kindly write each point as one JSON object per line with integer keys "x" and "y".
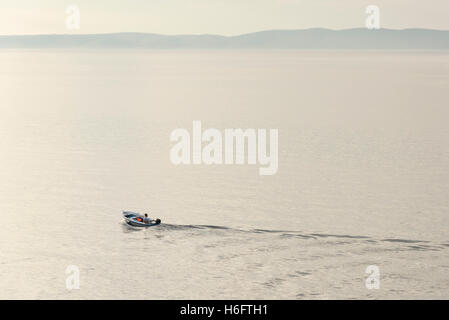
{"x": 227, "y": 17}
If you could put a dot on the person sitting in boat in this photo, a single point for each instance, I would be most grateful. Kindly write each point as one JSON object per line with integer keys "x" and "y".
{"x": 146, "y": 219}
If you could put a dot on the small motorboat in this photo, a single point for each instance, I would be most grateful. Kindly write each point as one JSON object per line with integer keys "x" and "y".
{"x": 136, "y": 220}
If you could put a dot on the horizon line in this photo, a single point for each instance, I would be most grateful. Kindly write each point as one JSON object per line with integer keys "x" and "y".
{"x": 215, "y": 34}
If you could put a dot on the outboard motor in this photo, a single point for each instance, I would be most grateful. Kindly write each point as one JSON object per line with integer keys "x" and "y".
{"x": 158, "y": 221}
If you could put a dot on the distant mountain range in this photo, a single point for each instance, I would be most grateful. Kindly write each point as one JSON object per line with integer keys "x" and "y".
{"x": 309, "y": 39}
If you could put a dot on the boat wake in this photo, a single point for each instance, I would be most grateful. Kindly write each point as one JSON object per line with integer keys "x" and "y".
{"x": 197, "y": 229}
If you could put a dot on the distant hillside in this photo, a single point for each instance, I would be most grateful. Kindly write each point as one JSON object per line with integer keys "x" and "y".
{"x": 358, "y": 39}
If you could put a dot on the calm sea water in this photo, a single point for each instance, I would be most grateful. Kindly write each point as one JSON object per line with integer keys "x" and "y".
{"x": 363, "y": 175}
